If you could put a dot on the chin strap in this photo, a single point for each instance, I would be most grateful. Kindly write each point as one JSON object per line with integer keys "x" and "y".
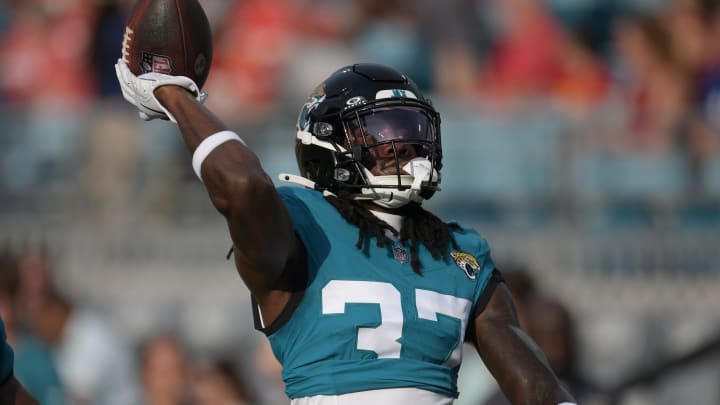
{"x": 302, "y": 181}
{"x": 295, "y": 179}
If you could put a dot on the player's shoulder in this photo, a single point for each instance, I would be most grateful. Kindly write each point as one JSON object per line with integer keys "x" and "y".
{"x": 460, "y": 230}
{"x": 468, "y": 236}
{"x": 293, "y": 193}
{"x": 303, "y": 204}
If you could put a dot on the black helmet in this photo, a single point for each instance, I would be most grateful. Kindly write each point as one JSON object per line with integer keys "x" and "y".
{"x": 368, "y": 130}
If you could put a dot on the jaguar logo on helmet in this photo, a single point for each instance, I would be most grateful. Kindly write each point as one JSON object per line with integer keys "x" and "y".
{"x": 317, "y": 97}
{"x": 467, "y": 263}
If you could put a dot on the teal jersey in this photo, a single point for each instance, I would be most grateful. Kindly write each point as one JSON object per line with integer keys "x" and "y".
{"x": 6, "y": 354}
{"x": 366, "y": 320}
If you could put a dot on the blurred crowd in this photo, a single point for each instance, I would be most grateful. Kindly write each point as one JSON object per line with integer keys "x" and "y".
{"x": 661, "y": 54}
{"x": 661, "y": 58}
{"x": 70, "y": 352}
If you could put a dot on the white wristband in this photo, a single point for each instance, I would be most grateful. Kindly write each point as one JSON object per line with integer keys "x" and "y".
{"x": 208, "y": 145}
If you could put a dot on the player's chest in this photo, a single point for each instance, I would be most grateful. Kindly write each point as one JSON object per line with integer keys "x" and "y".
{"x": 386, "y": 319}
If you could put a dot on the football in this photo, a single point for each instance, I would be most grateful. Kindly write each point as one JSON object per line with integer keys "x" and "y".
{"x": 168, "y": 36}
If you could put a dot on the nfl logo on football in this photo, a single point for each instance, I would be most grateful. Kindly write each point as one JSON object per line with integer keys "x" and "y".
{"x": 156, "y": 63}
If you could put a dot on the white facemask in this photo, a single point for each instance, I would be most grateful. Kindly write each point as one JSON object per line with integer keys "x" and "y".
{"x": 420, "y": 170}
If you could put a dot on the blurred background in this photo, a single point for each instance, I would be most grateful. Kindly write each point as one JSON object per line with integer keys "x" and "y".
{"x": 581, "y": 138}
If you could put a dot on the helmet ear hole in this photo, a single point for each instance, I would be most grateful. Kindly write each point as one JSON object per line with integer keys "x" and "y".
{"x": 316, "y": 163}
{"x": 427, "y": 193}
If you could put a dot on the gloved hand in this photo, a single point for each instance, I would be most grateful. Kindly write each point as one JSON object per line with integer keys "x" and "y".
{"x": 139, "y": 90}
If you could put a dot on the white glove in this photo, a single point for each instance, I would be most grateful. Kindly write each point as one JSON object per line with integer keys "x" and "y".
{"x": 139, "y": 90}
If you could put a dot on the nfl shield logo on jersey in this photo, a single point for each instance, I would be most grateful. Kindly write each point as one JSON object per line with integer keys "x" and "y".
{"x": 400, "y": 254}
{"x": 467, "y": 263}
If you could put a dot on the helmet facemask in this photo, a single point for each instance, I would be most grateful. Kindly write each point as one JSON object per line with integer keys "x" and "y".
{"x": 387, "y": 152}
{"x": 368, "y": 133}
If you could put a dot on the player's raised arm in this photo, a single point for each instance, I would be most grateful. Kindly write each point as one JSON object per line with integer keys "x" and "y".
{"x": 518, "y": 365}
{"x": 162, "y": 76}
{"x": 239, "y": 188}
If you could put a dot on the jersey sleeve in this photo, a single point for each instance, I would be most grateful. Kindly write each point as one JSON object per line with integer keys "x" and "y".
{"x": 490, "y": 277}
{"x": 7, "y": 355}
{"x": 300, "y": 203}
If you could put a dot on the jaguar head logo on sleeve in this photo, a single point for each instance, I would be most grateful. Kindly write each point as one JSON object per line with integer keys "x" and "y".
{"x": 467, "y": 263}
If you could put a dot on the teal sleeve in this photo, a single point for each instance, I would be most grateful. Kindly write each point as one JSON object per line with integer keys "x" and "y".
{"x": 6, "y": 354}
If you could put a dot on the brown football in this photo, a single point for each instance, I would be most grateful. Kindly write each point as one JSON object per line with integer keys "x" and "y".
{"x": 168, "y": 36}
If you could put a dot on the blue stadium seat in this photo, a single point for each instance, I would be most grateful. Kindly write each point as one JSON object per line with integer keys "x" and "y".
{"x": 629, "y": 176}
{"x": 500, "y": 159}
{"x": 711, "y": 177}
{"x": 626, "y": 189}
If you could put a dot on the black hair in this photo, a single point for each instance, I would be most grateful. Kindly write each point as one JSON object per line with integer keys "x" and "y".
{"x": 420, "y": 227}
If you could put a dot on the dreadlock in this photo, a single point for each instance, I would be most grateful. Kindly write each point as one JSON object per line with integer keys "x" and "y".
{"x": 420, "y": 226}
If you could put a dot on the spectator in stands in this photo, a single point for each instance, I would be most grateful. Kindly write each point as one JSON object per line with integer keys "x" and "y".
{"x": 94, "y": 360}
{"x": 523, "y": 61}
{"x": 4, "y": 21}
{"x": 164, "y": 371}
{"x": 389, "y": 31}
{"x": 655, "y": 84}
{"x": 267, "y": 373}
{"x": 549, "y": 323}
{"x": 246, "y": 79}
{"x": 686, "y": 24}
{"x": 455, "y": 50}
{"x": 219, "y": 383}
{"x": 708, "y": 81}
{"x": 34, "y": 365}
{"x": 46, "y": 72}
{"x": 664, "y": 54}
{"x": 108, "y": 28}
{"x": 582, "y": 81}
{"x": 34, "y": 279}
{"x": 690, "y": 24}
{"x": 43, "y": 54}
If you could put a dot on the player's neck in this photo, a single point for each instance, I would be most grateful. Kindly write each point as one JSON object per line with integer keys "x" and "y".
{"x": 393, "y": 219}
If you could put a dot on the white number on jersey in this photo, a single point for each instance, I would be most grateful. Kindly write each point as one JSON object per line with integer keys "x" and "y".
{"x": 383, "y": 339}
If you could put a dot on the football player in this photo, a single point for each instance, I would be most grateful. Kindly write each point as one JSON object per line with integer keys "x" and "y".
{"x": 365, "y": 296}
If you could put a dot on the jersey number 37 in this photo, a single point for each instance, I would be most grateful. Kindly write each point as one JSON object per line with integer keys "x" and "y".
{"x": 384, "y": 339}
